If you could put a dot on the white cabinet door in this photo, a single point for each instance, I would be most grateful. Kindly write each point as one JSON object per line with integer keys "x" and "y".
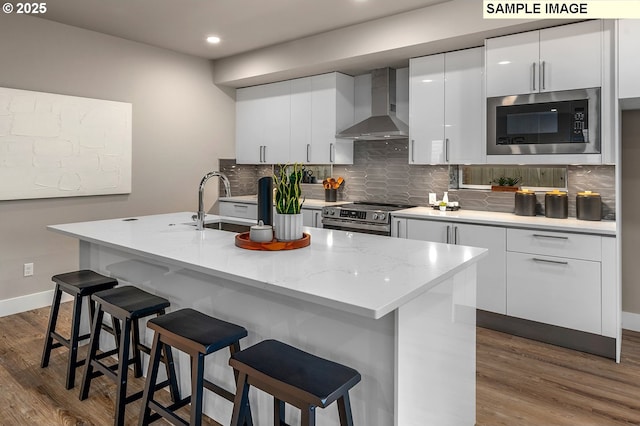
{"x": 559, "y": 58}
{"x": 446, "y": 115}
{"x": 492, "y": 287}
{"x": 512, "y": 64}
{"x": 571, "y": 56}
{"x": 312, "y": 217}
{"x": 277, "y": 122}
{"x": 464, "y": 106}
{"x": 262, "y": 124}
{"x": 558, "y": 291}
{"x": 426, "y": 110}
{"x": 249, "y": 125}
{"x": 300, "y": 146}
{"x": 321, "y": 106}
{"x": 246, "y": 211}
{"x": 429, "y": 230}
{"x": 492, "y": 279}
{"x": 628, "y": 58}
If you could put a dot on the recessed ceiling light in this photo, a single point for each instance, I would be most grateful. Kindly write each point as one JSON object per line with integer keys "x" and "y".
{"x": 213, "y": 39}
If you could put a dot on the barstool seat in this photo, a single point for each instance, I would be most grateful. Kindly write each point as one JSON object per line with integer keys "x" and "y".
{"x": 78, "y": 284}
{"x": 127, "y": 305}
{"x": 292, "y": 376}
{"x": 197, "y": 335}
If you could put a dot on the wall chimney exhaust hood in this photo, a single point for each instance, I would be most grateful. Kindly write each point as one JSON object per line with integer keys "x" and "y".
{"x": 383, "y": 123}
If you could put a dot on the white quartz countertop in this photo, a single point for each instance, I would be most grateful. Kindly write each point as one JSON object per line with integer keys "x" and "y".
{"x": 309, "y": 203}
{"x": 363, "y": 274}
{"x": 511, "y": 220}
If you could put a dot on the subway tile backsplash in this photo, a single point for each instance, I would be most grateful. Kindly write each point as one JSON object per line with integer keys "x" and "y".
{"x": 381, "y": 173}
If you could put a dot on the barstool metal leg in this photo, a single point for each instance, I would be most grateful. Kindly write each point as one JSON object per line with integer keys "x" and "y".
{"x": 53, "y": 319}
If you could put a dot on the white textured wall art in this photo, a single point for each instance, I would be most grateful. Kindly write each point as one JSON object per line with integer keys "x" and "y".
{"x": 63, "y": 146}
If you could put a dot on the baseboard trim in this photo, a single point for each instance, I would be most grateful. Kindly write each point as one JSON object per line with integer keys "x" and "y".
{"x": 559, "y": 336}
{"x": 28, "y": 302}
{"x": 631, "y": 321}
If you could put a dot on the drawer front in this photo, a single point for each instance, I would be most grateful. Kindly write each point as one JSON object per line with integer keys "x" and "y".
{"x": 563, "y": 292}
{"x": 246, "y": 211}
{"x": 573, "y": 246}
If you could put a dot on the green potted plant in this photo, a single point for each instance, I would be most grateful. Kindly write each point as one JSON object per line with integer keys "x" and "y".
{"x": 506, "y": 184}
{"x": 288, "y": 199}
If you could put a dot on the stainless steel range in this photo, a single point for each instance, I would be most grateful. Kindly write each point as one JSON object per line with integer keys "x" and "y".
{"x": 363, "y": 217}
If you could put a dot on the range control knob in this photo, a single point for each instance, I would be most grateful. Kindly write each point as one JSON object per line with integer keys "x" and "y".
{"x": 381, "y": 217}
{"x": 375, "y": 216}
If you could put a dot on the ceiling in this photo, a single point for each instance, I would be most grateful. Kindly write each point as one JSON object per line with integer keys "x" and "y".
{"x": 243, "y": 25}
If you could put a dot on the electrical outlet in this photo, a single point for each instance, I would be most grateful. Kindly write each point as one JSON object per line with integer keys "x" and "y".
{"x": 28, "y": 269}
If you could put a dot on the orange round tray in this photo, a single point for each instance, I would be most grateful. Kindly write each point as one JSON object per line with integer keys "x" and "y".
{"x": 243, "y": 241}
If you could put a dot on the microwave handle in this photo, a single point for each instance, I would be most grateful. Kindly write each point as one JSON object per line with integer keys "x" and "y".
{"x": 533, "y": 73}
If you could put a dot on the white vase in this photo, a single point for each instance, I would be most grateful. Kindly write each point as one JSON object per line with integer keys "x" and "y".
{"x": 287, "y": 227}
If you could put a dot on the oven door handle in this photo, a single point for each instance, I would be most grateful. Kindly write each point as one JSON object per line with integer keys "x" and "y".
{"x": 346, "y": 225}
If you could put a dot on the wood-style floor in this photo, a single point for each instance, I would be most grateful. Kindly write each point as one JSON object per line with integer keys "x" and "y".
{"x": 519, "y": 382}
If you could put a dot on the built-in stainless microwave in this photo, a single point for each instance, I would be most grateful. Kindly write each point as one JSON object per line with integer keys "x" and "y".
{"x": 563, "y": 122}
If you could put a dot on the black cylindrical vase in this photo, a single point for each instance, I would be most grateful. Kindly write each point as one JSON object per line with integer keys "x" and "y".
{"x": 265, "y": 200}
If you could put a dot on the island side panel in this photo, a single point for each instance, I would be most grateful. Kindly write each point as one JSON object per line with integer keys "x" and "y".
{"x": 362, "y": 343}
{"x": 436, "y": 355}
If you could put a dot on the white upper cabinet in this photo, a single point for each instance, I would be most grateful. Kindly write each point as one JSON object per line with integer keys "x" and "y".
{"x": 560, "y": 58}
{"x": 332, "y": 110}
{"x": 295, "y": 121}
{"x": 263, "y": 118}
{"x": 628, "y": 58}
{"x": 446, "y": 101}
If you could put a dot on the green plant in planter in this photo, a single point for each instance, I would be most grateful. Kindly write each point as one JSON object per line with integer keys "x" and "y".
{"x": 506, "y": 181}
{"x": 288, "y": 192}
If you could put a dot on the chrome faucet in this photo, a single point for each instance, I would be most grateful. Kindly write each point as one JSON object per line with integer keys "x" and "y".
{"x": 199, "y": 218}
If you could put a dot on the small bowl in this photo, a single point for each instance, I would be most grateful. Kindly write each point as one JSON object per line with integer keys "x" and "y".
{"x": 261, "y": 233}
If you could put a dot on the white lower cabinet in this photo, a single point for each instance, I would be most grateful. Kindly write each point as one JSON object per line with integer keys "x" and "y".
{"x": 552, "y": 290}
{"x": 491, "y": 291}
{"x": 312, "y": 217}
{"x": 555, "y": 278}
{"x": 246, "y": 211}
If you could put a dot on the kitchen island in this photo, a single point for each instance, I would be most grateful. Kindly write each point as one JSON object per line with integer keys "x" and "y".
{"x": 401, "y": 312}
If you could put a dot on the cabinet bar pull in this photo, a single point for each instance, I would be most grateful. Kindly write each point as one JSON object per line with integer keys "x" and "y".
{"x": 455, "y": 235}
{"x": 398, "y": 223}
{"x": 265, "y": 153}
{"x": 448, "y": 233}
{"x": 413, "y": 144}
{"x": 557, "y": 262}
{"x": 308, "y": 148}
{"x": 332, "y": 153}
{"x": 557, "y": 237}
{"x": 542, "y": 75}
{"x": 446, "y": 150}
{"x": 242, "y": 206}
{"x": 533, "y": 80}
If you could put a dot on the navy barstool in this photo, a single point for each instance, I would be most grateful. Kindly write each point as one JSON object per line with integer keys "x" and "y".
{"x": 79, "y": 284}
{"x": 292, "y": 376}
{"x": 197, "y": 335}
{"x": 127, "y": 305}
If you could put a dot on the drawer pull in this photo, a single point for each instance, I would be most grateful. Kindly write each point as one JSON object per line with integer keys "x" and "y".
{"x": 241, "y": 206}
{"x": 557, "y": 262}
{"x": 557, "y": 237}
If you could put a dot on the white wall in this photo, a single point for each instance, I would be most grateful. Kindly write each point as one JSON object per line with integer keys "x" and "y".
{"x": 182, "y": 124}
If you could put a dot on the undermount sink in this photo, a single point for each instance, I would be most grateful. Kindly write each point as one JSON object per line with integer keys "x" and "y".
{"x": 227, "y": 226}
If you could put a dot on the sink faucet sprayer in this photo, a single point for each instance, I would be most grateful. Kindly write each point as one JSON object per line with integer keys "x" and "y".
{"x": 199, "y": 218}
